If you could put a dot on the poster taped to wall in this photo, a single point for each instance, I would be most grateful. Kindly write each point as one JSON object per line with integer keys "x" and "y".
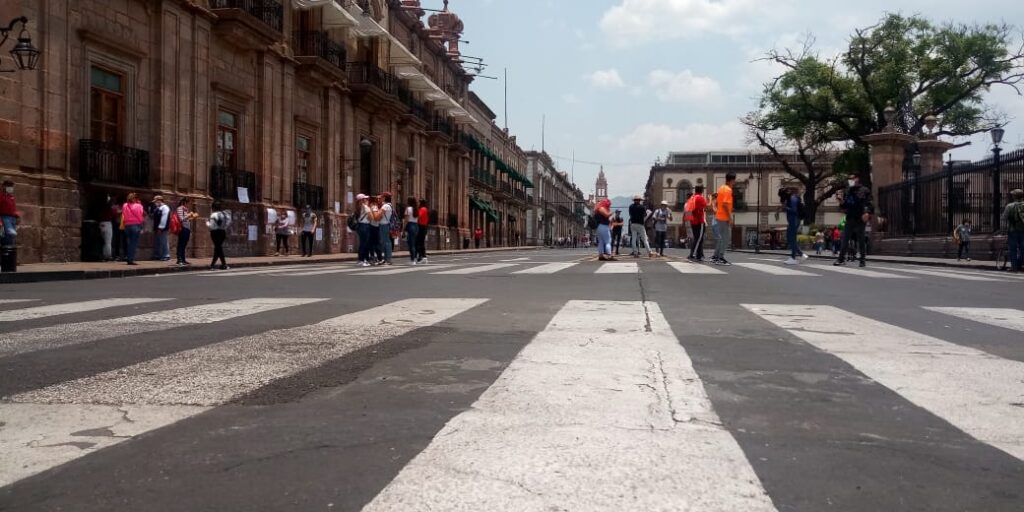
{"x": 254, "y": 233}
{"x": 271, "y": 216}
{"x": 243, "y": 195}
{"x": 319, "y": 234}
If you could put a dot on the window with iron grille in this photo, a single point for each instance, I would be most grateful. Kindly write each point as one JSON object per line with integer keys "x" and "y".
{"x": 227, "y": 139}
{"x": 303, "y": 148}
{"x": 107, "y": 101}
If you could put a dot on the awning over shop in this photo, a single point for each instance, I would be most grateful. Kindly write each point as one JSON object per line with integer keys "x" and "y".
{"x": 366, "y": 27}
{"x": 431, "y": 92}
{"x": 400, "y": 54}
{"x": 485, "y": 207}
{"x": 334, "y": 15}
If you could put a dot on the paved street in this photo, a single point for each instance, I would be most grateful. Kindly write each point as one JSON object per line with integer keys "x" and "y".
{"x": 539, "y": 380}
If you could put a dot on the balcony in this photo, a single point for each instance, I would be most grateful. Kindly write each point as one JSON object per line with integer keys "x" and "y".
{"x": 225, "y": 182}
{"x": 520, "y": 195}
{"x": 373, "y": 86}
{"x": 106, "y": 162}
{"x": 249, "y": 24}
{"x": 484, "y": 178}
{"x": 304, "y": 193}
{"x": 417, "y": 112}
{"x": 440, "y": 126}
{"x": 320, "y": 55}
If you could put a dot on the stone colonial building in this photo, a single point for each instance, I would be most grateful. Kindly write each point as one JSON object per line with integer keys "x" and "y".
{"x": 265, "y": 105}
{"x": 756, "y": 203}
{"x": 556, "y": 203}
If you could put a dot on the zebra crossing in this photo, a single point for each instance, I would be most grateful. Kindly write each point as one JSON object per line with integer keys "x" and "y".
{"x": 608, "y": 386}
{"x": 521, "y": 267}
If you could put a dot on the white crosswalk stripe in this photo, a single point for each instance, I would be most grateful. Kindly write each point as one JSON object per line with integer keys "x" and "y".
{"x": 975, "y": 391}
{"x": 549, "y": 268}
{"x": 856, "y": 271}
{"x": 475, "y": 269}
{"x": 695, "y": 268}
{"x": 266, "y": 270}
{"x": 69, "y": 308}
{"x": 618, "y": 268}
{"x": 83, "y": 332}
{"x": 405, "y": 270}
{"x": 775, "y": 270}
{"x": 604, "y": 390}
{"x": 939, "y": 273}
{"x": 78, "y": 417}
{"x": 15, "y": 301}
{"x": 1000, "y": 317}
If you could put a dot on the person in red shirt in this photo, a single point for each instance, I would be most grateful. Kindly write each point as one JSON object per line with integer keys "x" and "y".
{"x": 698, "y": 223}
{"x": 8, "y": 214}
{"x": 478, "y": 235}
{"x": 423, "y": 220}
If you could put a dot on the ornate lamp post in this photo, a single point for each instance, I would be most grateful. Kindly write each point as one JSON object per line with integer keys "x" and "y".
{"x": 997, "y": 138}
{"x": 24, "y": 55}
{"x": 760, "y": 182}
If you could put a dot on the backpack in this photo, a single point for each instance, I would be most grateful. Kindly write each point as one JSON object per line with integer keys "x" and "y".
{"x": 157, "y": 215}
{"x": 801, "y": 209}
{"x": 1015, "y": 218}
{"x": 688, "y": 209}
{"x": 216, "y": 221}
{"x": 649, "y": 221}
{"x": 394, "y": 223}
{"x": 174, "y": 223}
{"x": 591, "y": 222}
{"x": 352, "y": 222}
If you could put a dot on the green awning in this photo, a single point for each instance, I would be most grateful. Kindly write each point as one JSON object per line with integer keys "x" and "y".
{"x": 485, "y": 207}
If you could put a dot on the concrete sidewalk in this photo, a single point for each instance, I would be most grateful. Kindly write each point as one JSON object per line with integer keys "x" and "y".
{"x": 909, "y": 260}
{"x": 39, "y": 272}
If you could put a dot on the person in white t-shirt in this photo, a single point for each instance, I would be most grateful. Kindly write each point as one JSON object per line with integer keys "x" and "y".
{"x": 387, "y": 211}
{"x": 412, "y": 228}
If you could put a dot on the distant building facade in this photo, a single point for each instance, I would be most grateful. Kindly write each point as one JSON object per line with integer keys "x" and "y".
{"x": 757, "y": 205}
{"x": 556, "y": 203}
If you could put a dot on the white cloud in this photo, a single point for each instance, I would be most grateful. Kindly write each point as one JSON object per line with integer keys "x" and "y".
{"x": 606, "y": 79}
{"x": 635, "y": 22}
{"x": 684, "y": 87}
{"x": 657, "y": 139}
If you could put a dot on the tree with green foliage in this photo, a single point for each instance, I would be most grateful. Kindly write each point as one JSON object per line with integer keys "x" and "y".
{"x": 820, "y": 109}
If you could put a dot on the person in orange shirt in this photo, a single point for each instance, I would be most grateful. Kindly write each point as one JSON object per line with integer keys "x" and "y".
{"x": 723, "y": 216}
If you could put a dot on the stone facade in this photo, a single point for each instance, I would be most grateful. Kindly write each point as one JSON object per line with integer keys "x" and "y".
{"x": 319, "y": 101}
{"x": 756, "y": 206}
{"x": 556, "y": 202}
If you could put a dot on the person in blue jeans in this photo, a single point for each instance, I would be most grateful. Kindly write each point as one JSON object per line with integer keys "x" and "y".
{"x": 1013, "y": 219}
{"x": 364, "y": 215}
{"x": 603, "y": 215}
{"x": 412, "y": 229}
{"x": 790, "y": 198}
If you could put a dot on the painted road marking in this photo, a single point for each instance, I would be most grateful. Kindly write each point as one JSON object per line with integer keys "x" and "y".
{"x": 605, "y": 393}
{"x": 66, "y": 421}
{"x": 628, "y": 267}
{"x": 271, "y": 270}
{"x": 857, "y": 271}
{"x": 939, "y": 273}
{"x": 68, "y": 308}
{"x": 548, "y": 268}
{"x": 404, "y": 270}
{"x": 83, "y": 332}
{"x": 474, "y": 270}
{"x": 325, "y": 272}
{"x": 775, "y": 270}
{"x": 694, "y": 268}
{"x": 975, "y": 391}
{"x": 516, "y": 259}
{"x": 15, "y": 301}
{"x": 999, "y": 317}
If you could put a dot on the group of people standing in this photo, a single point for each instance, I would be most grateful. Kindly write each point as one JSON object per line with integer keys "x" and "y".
{"x": 121, "y": 227}
{"x": 379, "y": 226}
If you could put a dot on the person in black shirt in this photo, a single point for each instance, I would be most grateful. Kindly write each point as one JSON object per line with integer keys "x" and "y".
{"x": 617, "y": 223}
{"x": 637, "y": 231}
{"x": 857, "y": 206}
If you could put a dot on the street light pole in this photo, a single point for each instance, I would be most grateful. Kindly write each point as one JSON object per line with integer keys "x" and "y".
{"x": 997, "y": 138}
{"x": 757, "y": 221}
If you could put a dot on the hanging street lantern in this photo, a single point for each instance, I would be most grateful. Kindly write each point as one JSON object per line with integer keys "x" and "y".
{"x": 24, "y": 54}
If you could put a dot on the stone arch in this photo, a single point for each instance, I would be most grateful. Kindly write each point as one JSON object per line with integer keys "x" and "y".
{"x": 683, "y": 188}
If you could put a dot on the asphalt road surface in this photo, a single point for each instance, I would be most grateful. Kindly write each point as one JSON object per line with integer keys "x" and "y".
{"x": 539, "y": 380}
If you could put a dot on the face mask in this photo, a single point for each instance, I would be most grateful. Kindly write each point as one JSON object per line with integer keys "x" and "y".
{"x": 851, "y": 183}
{"x": 9, "y": 190}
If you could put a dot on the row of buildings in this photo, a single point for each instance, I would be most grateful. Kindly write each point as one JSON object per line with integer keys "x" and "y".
{"x": 262, "y": 105}
{"x": 759, "y": 176}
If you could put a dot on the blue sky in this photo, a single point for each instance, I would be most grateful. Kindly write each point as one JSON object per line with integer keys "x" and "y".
{"x": 623, "y": 82}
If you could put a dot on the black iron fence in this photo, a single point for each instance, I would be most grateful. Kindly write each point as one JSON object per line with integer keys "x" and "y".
{"x": 269, "y": 12}
{"x": 440, "y": 124}
{"x": 304, "y": 193}
{"x": 319, "y": 44}
{"x": 932, "y": 205}
{"x": 225, "y": 183}
{"x": 106, "y": 162}
{"x": 365, "y": 73}
{"x": 416, "y": 108}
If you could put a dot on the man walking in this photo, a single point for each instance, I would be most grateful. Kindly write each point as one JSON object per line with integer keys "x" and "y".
{"x": 791, "y": 202}
{"x": 723, "y": 216}
{"x": 617, "y": 224}
{"x": 661, "y": 218}
{"x": 1013, "y": 219}
{"x": 637, "y": 230}
{"x": 962, "y": 236}
{"x": 857, "y": 206}
{"x": 161, "y": 218}
{"x": 698, "y": 223}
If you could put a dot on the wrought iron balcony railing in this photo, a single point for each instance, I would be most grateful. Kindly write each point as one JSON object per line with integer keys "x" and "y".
{"x": 270, "y": 12}
{"x": 225, "y": 182}
{"x": 416, "y": 108}
{"x": 440, "y": 124}
{"x": 484, "y": 177}
{"x": 304, "y": 193}
{"x": 365, "y": 73}
{"x": 315, "y": 43}
{"x": 106, "y": 162}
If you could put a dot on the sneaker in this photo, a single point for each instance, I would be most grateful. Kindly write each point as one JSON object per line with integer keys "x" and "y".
{"x": 804, "y": 256}
{"x": 414, "y": 262}
{"x": 838, "y": 263}
{"x": 968, "y": 259}
{"x": 723, "y": 261}
{"x": 224, "y": 267}
{"x": 791, "y": 261}
{"x": 423, "y": 261}
{"x": 862, "y": 264}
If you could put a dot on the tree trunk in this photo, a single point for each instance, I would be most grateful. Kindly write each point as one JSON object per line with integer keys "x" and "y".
{"x": 810, "y": 205}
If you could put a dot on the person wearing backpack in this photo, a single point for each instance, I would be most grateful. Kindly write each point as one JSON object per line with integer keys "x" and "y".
{"x": 857, "y": 206}
{"x": 390, "y": 226}
{"x": 791, "y": 202}
{"x": 638, "y": 215}
{"x": 161, "y": 217}
{"x": 1013, "y": 219}
{"x": 184, "y": 217}
{"x": 218, "y": 225}
{"x": 309, "y": 224}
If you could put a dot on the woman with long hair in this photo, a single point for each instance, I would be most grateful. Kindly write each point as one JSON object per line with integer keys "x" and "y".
{"x": 412, "y": 229}
{"x": 185, "y": 217}
{"x": 603, "y": 214}
{"x": 218, "y": 224}
{"x": 423, "y": 220}
{"x": 133, "y": 216}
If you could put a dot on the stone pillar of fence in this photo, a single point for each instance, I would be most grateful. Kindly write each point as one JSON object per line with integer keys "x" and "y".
{"x": 887, "y": 151}
{"x": 932, "y": 151}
